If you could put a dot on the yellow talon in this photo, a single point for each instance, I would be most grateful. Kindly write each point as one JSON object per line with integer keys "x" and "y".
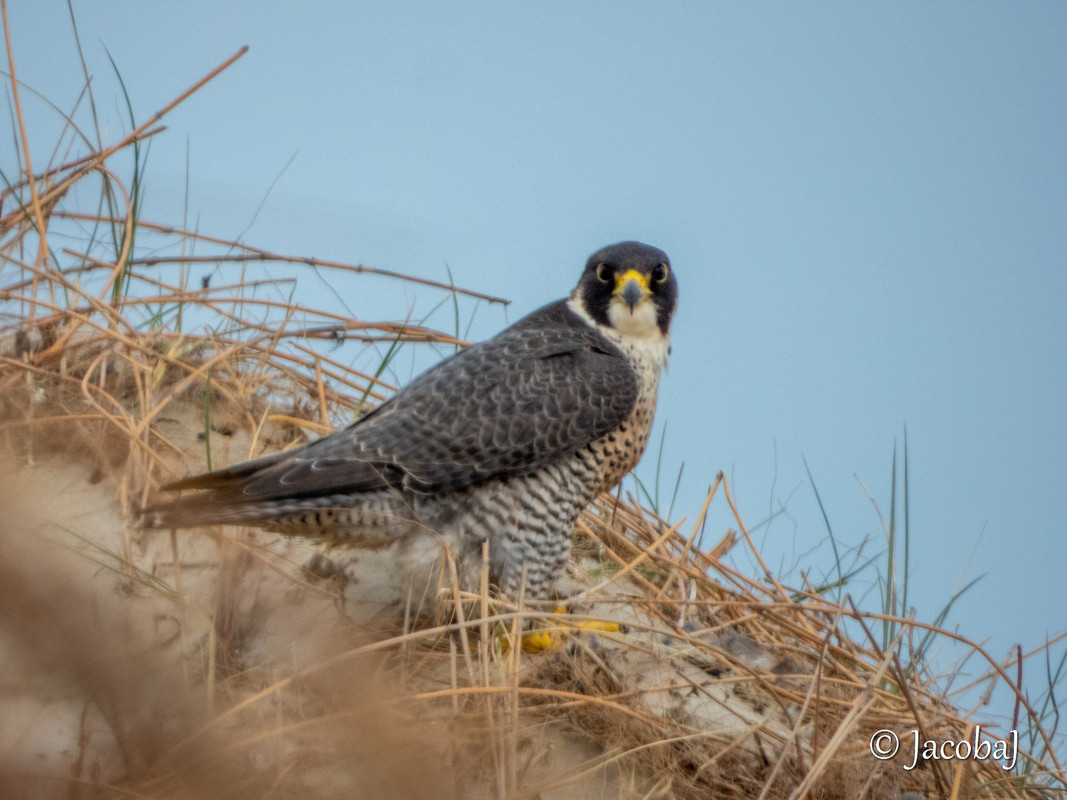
{"x": 553, "y": 638}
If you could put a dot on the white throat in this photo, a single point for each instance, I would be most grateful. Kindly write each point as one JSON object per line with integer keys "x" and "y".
{"x": 635, "y": 332}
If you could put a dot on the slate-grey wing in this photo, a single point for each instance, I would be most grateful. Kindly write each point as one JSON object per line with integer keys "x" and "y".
{"x": 542, "y": 389}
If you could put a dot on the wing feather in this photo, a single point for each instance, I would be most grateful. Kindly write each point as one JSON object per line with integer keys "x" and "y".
{"x": 543, "y": 388}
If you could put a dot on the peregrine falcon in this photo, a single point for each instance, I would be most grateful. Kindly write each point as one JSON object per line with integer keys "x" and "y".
{"x": 506, "y": 441}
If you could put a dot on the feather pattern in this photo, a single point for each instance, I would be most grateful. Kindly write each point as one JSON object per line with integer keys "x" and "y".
{"x": 504, "y": 442}
{"x": 541, "y": 389}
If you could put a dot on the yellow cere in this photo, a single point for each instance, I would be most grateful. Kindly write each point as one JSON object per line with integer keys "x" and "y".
{"x": 631, "y": 275}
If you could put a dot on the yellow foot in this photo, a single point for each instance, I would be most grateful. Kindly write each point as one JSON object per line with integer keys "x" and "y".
{"x": 553, "y": 636}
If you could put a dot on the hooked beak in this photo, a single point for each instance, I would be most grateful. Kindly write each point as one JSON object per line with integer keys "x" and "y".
{"x": 632, "y": 287}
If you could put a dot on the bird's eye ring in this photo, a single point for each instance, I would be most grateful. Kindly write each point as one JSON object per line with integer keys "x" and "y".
{"x": 603, "y": 272}
{"x": 660, "y": 273}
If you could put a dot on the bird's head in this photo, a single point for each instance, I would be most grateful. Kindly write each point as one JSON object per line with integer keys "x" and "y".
{"x": 629, "y": 287}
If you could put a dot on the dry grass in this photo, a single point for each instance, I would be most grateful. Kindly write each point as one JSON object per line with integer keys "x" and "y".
{"x": 166, "y": 657}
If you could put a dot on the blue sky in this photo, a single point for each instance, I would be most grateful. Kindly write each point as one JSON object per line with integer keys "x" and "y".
{"x": 865, "y": 205}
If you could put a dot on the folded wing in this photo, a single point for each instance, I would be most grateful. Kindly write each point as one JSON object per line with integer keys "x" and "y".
{"x": 540, "y": 390}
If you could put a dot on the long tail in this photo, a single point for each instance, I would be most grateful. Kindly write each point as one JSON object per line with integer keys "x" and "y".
{"x": 218, "y": 500}
{"x": 302, "y": 515}
{"x": 198, "y": 512}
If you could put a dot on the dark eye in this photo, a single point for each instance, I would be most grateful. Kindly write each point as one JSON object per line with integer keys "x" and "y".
{"x": 660, "y": 273}
{"x": 603, "y": 273}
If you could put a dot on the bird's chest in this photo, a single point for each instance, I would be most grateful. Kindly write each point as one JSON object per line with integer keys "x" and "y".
{"x": 619, "y": 451}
